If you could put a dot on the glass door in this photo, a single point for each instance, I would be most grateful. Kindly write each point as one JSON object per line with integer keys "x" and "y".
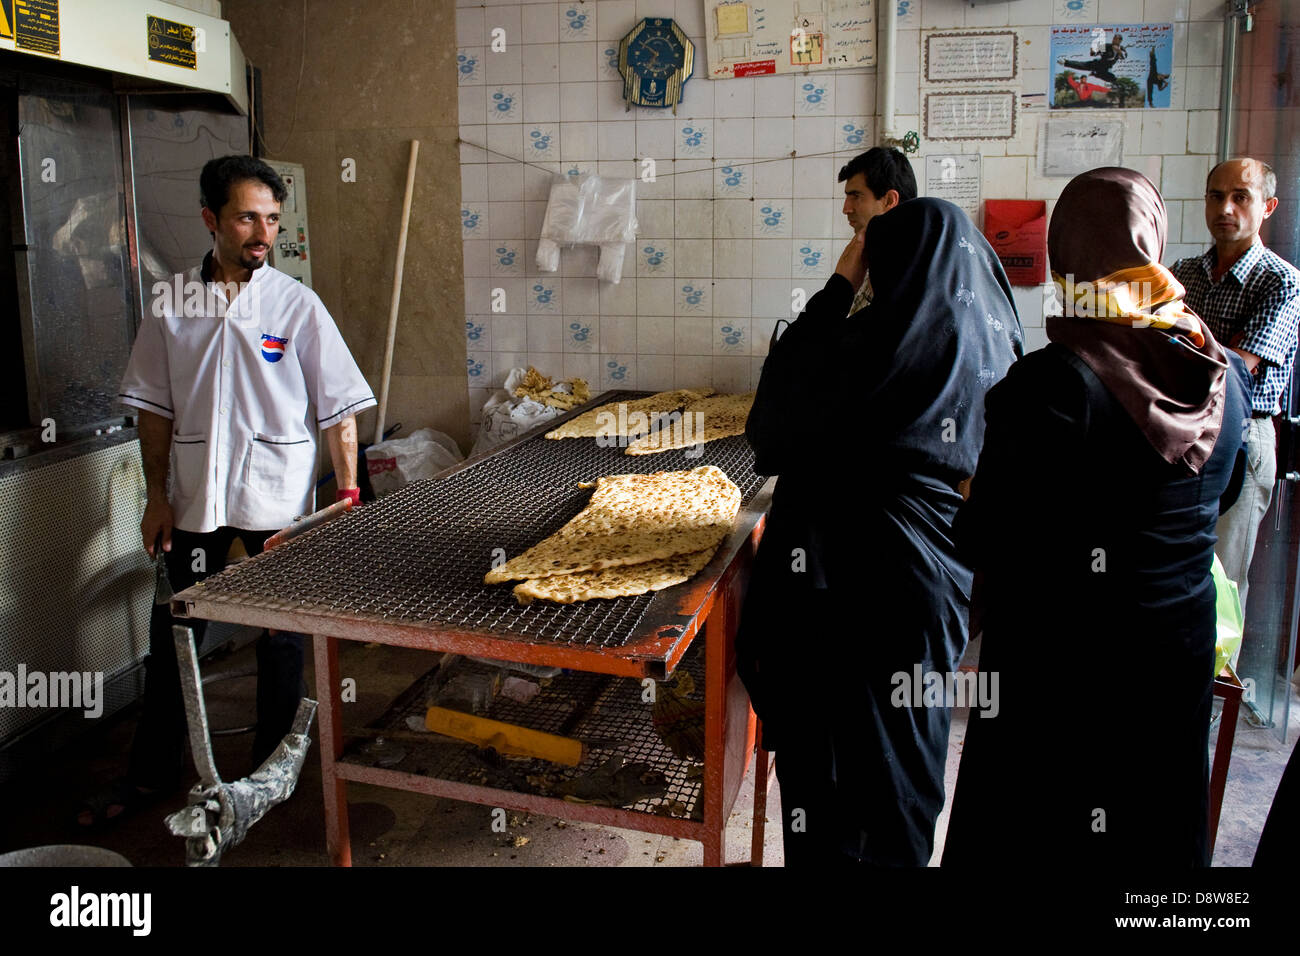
{"x": 1265, "y": 96}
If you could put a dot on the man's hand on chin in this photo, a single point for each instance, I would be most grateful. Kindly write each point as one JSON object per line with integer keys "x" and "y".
{"x": 853, "y": 264}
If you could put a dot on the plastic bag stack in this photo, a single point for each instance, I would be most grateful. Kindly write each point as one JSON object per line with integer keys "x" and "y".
{"x": 589, "y": 209}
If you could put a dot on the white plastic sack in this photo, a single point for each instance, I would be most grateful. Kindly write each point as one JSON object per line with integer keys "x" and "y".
{"x": 507, "y": 416}
{"x": 400, "y": 461}
{"x": 589, "y": 209}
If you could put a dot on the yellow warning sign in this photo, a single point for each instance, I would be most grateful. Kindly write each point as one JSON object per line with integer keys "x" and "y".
{"x": 6, "y": 19}
{"x": 36, "y": 26}
{"x": 172, "y": 43}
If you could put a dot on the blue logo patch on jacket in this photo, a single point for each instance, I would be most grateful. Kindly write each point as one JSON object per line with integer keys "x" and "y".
{"x": 273, "y": 347}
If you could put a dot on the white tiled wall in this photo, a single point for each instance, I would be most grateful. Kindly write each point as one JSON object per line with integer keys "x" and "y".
{"x": 745, "y": 207}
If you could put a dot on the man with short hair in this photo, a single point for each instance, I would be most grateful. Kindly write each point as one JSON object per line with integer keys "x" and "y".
{"x": 874, "y": 182}
{"x": 232, "y": 379}
{"x": 1250, "y": 298}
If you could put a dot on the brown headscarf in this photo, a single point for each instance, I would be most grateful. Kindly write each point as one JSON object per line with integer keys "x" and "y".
{"x": 1125, "y": 317}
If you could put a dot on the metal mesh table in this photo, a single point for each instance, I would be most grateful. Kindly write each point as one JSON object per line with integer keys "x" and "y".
{"x": 408, "y": 571}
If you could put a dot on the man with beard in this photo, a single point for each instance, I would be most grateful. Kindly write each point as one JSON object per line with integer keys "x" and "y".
{"x": 232, "y": 376}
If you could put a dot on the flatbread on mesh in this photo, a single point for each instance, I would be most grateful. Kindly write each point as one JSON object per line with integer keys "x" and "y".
{"x": 632, "y": 519}
{"x": 623, "y": 581}
{"x": 627, "y": 419}
{"x": 707, "y": 419}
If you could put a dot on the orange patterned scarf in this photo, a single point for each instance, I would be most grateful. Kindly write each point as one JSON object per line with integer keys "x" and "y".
{"x": 1141, "y": 297}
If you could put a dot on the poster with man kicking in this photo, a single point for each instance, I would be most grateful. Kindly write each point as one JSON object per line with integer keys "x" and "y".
{"x": 1117, "y": 66}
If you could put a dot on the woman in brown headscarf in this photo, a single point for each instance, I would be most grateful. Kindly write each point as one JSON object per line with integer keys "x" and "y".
{"x": 1107, "y": 457}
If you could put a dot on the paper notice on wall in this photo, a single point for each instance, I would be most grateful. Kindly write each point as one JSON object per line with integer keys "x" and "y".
{"x": 970, "y": 115}
{"x": 1069, "y": 147}
{"x": 971, "y": 57}
{"x": 956, "y": 179}
{"x": 749, "y": 38}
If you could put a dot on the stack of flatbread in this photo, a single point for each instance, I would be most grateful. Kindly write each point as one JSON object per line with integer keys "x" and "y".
{"x": 564, "y": 395}
{"x": 627, "y": 419}
{"x": 638, "y": 533}
{"x": 703, "y": 420}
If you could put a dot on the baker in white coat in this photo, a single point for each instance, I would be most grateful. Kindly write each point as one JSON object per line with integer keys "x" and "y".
{"x": 235, "y": 368}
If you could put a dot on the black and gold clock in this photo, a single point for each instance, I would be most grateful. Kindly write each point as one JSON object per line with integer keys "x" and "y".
{"x": 656, "y": 59}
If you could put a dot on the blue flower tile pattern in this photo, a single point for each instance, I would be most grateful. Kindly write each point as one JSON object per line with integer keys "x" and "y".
{"x": 813, "y": 98}
{"x": 810, "y": 260}
{"x": 580, "y": 337}
{"x": 475, "y": 369}
{"x": 616, "y": 371}
{"x": 469, "y": 69}
{"x": 772, "y": 220}
{"x": 692, "y": 298}
{"x": 473, "y": 334}
{"x": 693, "y": 141}
{"x": 609, "y": 62}
{"x": 576, "y": 23}
{"x": 470, "y": 221}
{"x": 540, "y": 142}
{"x": 732, "y": 181}
{"x": 503, "y": 104}
{"x": 655, "y": 259}
{"x": 851, "y": 135}
{"x": 542, "y": 298}
{"x": 505, "y": 259}
{"x": 732, "y": 339}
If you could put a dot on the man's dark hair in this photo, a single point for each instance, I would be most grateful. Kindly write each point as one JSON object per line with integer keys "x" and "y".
{"x": 223, "y": 172}
{"x": 885, "y": 168}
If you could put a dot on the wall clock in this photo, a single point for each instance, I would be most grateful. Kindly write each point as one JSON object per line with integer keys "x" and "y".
{"x": 656, "y": 59}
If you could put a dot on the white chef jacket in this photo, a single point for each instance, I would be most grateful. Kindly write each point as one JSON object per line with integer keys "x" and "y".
{"x": 246, "y": 389}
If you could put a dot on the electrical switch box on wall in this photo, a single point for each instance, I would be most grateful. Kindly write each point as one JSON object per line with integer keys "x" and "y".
{"x": 289, "y": 252}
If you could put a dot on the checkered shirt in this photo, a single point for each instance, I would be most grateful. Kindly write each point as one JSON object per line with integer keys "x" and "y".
{"x": 1259, "y": 298}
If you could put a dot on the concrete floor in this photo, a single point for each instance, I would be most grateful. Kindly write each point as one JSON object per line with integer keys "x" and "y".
{"x": 392, "y": 828}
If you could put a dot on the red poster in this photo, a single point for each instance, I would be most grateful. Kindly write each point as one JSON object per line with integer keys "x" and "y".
{"x": 755, "y": 68}
{"x": 1017, "y": 231}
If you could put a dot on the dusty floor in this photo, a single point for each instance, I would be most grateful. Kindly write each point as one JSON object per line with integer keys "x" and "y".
{"x": 392, "y": 828}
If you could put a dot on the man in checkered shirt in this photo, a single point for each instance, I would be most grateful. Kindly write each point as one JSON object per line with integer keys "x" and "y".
{"x": 1250, "y": 298}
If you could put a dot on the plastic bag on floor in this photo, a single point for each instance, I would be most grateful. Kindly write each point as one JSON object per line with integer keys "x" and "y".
{"x": 397, "y": 462}
{"x": 1228, "y": 610}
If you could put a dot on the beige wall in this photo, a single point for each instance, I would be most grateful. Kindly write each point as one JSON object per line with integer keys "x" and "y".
{"x": 374, "y": 77}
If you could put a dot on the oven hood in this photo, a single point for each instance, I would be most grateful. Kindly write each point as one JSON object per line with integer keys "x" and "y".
{"x": 150, "y": 45}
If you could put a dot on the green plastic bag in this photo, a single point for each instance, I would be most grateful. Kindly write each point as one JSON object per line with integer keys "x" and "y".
{"x": 1228, "y": 608}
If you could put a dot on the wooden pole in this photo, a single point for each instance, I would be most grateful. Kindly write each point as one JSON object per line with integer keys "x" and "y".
{"x": 397, "y": 292}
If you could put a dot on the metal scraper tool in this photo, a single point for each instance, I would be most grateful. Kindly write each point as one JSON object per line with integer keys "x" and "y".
{"x": 162, "y": 587}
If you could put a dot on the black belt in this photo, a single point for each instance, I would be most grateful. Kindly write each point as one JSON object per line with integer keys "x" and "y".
{"x": 1261, "y": 414}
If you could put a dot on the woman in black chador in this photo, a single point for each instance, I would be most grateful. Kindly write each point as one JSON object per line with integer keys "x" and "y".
{"x": 871, "y": 421}
{"x": 1091, "y": 524}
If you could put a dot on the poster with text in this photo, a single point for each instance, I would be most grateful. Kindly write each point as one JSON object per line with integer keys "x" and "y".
{"x": 1112, "y": 66}
{"x": 747, "y": 38}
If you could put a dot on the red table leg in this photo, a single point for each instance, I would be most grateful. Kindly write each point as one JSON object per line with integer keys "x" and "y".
{"x": 1230, "y": 691}
{"x": 715, "y": 733}
{"x": 330, "y": 715}
{"x": 762, "y": 783}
